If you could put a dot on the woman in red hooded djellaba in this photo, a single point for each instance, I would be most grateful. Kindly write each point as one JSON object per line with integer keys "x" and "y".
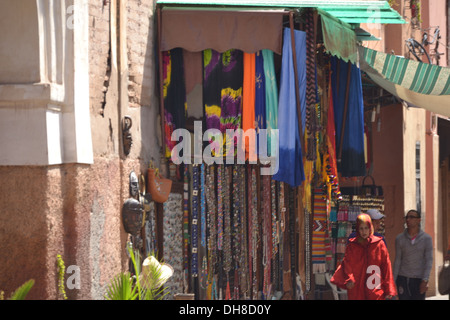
{"x": 366, "y": 270}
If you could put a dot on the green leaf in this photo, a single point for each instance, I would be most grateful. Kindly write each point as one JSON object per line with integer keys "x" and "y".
{"x": 121, "y": 288}
{"x": 22, "y": 291}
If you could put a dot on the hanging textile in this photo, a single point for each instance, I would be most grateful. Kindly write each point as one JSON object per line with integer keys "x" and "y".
{"x": 186, "y": 228}
{"x": 338, "y": 37}
{"x": 350, "y": 147}
{"x": 222, "y": 88}
{"x": 194, "y": 221}
{"x": 248, "y": 101}
{"x": 271, "y": 96}
{"x": 290, "y": 153}
{"x": 311, "y": 116}
{"x": 212, "y": 226}
{"x": 260, "y": 96}
{"x": 319, "y": 231}
{"x": 420, "y": 84}
{"x": 174, "y": 91}
{"x": 266, "y": 234}
{"x": 193, "y": 78}
{"x": 173, "y": 237}
{"x": 244, "y": 280}
{"x": 211, "y": 88}
{"x": 330, "y": 156}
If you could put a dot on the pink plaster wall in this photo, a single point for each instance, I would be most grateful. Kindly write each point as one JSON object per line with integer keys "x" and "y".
{"x": 72, "y": 210}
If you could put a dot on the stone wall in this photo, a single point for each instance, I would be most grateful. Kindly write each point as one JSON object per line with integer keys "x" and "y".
{"x": 75, "y": 209}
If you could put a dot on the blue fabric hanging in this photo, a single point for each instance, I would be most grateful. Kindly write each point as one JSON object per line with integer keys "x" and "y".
{"x": 290, "y": 154}
{"x": 260, "y": 96}
{"x": 352, "y": 162}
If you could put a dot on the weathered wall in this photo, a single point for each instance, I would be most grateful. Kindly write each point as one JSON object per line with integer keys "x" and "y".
{"x": 75, "y": 209}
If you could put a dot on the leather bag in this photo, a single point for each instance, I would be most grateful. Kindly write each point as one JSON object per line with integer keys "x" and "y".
{"x": 444, "y": 279}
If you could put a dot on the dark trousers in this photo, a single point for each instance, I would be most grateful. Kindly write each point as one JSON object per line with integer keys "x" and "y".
{"x": 409, "y": 288}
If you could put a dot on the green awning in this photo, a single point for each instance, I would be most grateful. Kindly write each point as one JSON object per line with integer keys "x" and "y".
{"x": 369, "y": 13}
{"x": 352, "y": 12}
{"x": 421, "y": 84}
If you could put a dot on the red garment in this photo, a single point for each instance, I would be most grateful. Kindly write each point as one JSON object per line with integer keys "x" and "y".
{"x": 369, "y": 267}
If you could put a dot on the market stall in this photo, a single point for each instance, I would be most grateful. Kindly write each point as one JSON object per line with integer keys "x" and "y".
{"x": 286, "y": 74}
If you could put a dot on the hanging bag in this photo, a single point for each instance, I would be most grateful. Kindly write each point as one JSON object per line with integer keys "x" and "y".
{"x": 370, "y": 189}
{"x": 444, "y": 279}
{"x": 159, "y": 187}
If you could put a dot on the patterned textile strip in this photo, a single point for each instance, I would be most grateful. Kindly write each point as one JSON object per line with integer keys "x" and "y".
{"x": 243, "y": 260}
{"x": 282, "y": 226}
{"x": 227, "y": 220}
{"x": 307, "y": 250}
{"x": 237, "y": 234}
{"x": 319, "y": 231}
{"x": 203, "y": 205}
{"x": 194, "y": 221}
{"x": 255, "y": 233}
{"x": 223, "y": 81}
{"x": 204, "y": 269}
{"x": 186, "y": 227}
{"x": 212, "y": 235}
{"x": 292, "y": 238}
{"x": 173, "y": 237}
{"x": 219, "y": 208}
{"x": 267, "y": 235}
{"x": 250, "y": 222}
{"x": 311, "y": 125}
{"x": 273, "y": 188}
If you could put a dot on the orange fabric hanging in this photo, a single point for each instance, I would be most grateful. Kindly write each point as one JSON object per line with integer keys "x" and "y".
{"x": 248, "y": 104}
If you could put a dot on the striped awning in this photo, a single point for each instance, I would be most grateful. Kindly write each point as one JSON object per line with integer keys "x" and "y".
{"x": 421, "y": 84}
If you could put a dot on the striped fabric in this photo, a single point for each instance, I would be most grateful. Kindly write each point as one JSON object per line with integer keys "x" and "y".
{"x": 416, "y": 76}
{"x": 319, "y": 231}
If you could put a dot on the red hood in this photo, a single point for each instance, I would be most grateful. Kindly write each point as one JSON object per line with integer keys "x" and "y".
{"x": 372, "y": 239}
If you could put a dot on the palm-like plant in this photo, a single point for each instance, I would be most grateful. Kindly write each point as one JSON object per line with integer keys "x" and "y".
{"x": 147, "y": 285}
{"x": 21, "y": 292}
{"x": 122, "y": 288}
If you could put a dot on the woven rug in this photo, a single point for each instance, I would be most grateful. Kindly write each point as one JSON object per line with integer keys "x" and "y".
{"x": 319, "y": 231}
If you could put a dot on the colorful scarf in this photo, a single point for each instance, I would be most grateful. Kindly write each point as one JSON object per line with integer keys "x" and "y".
{"x": 330, "y": 162}
{"x": 290, "y": 154}
{"x": 260, "y": 96}
{"x": 248, "y": 102}
{"x": 271, "y": 95}
{"x": 174, "y": 92}
{"x": 222, "y": 88}
{"x": 352, "y": 158}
